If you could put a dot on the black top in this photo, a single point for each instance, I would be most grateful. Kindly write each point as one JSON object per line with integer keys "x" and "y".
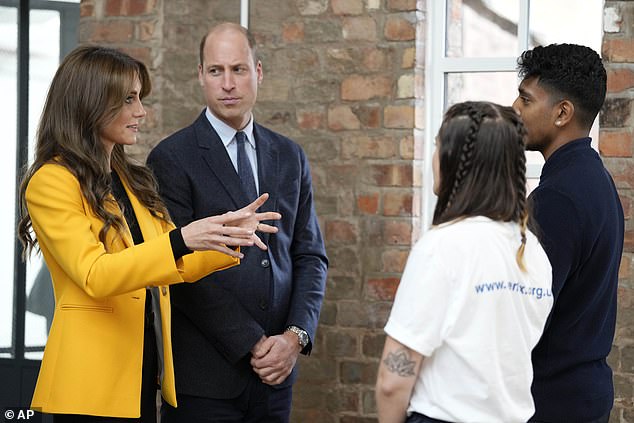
{"x": 580, "y": 219}
{"x": 179, "y": 249}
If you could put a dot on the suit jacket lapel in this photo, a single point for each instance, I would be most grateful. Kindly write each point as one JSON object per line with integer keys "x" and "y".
{"x": 268, "y": 171}
{"x": 215, "y": 154}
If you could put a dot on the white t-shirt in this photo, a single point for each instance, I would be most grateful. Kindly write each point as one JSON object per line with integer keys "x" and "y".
{"x": 465, "y": 305}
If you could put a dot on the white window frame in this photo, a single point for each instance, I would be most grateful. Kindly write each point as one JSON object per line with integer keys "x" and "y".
{"x": 244, "y": 13}
{"x": 437, "y": 66}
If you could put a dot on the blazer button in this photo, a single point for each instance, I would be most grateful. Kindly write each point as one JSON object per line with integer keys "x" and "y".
{"x": 265, "y": 263}
{"x": 263, "y": 305}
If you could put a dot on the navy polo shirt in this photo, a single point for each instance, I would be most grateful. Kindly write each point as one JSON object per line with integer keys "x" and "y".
{"x": 580, "y": 222}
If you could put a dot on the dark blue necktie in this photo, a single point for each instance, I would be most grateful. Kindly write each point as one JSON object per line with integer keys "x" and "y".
{"x": 244, "y": 168}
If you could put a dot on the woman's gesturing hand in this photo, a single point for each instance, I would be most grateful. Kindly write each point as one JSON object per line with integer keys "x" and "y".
{"x": 234, "y": 228}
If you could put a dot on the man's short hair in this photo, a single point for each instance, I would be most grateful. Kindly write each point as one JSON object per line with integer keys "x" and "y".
{"x": 568, "y": 72}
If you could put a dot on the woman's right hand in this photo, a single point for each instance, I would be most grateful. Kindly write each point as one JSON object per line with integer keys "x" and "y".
{"x": 235, "y": 228}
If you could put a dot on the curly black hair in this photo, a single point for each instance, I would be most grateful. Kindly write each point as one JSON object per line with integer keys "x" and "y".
{"x": 568, "y": 71}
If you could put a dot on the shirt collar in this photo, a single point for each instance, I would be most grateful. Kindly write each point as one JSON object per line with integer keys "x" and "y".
{"x": 227, "y": 133}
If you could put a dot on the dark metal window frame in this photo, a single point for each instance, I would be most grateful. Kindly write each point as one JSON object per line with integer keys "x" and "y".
{"x": 69, "y": 23}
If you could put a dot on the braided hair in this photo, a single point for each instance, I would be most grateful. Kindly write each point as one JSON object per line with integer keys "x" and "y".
{"x": 483, "y": 166}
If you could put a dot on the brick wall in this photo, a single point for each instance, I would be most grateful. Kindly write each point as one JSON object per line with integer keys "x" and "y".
{"x": 344, "y": 79}
{"x": 615, "y": 145}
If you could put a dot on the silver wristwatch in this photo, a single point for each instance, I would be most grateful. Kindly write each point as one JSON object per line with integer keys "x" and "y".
{"x": 302, "y": 335}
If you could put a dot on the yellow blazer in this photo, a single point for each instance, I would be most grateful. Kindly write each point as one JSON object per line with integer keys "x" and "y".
{"x": 93, "y": 357}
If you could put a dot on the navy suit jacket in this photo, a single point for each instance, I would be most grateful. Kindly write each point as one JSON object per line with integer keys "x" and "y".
{"x": 216, "y": 321}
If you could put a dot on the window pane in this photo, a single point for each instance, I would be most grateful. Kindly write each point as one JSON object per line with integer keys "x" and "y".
{"x": 8, "y": 122}
{"x": 582, "y": 25}
{"x": 498, "y": 87}
{"x": 44, "y": 44}
{"x": 482, "y": 28}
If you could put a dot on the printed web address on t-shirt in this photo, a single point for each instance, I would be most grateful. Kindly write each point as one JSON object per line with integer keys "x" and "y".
{"x": 530, "y": 291}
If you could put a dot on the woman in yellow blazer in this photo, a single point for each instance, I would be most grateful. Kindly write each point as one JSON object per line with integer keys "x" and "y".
{"x": 109, "y": 244}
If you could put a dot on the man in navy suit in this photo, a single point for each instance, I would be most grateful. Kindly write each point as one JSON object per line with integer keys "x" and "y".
{"x": 237, "y": 336}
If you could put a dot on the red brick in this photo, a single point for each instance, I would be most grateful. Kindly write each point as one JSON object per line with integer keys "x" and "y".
{"x": 401, "y": 4}
{"x": 347, "y": 7}
{"x": 129, "y": 7}
{"x": 368, "y": 203}
{"x": 358, "y": 87}
{"x": 410, "y": 149}
{"x": 354, "y": 372}
{"x": 382, "y": 289}
{"x": 368, "y": 115}
{"x": 399, "y": 29}
{"x": 620, "y": 80}
{"x": 341, "y": 177}
{"x": 375, "y": 60}
{"x": 628, "y": 241}
{"x": 364, "y": 146}
{"x": 359, "y": 28}
{"x": 341, "y": 118}
{"x": 616, "y": 144}
{"x": 146, "y": 30}
{"x": 141, "y": 53}
{"x": 398, "y": 117}
{"x": 397, "y": 204}
{"x": 393, "y": 260}
{"x": 112, "y": 32}
{"x": 625, "y": 297}
{"x": 397, "y": 232}
{"x": 140, "y": 7}
{"x": 115, "y": 7}
{"x": 341, "y": 232}
{"x": 619, "y": 50}
{"x": 626, "y": 203}
{"x": 346, "y": 401}
{"x": 409, "y": 57}
{"x": 86, "y": 9}
{"x": 625, "y": 270}
{"x": 622, "y": 171}
{"x": 399, "y": 175}
{"x": 312, "y": 415}
{"x": 293, "y": 32}
{"x": 616, "y": 112}
{"x": 310, "y": 119}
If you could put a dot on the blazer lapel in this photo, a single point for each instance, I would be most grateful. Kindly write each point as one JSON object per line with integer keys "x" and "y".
{"x": 126, "y": 236}
{"x": 268, "y": 171}
{"x": 215, "y": 154}
{"x": 151, "y": 228}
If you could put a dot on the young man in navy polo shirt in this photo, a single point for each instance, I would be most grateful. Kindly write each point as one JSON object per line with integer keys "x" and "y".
{"x": 580, "y": 219}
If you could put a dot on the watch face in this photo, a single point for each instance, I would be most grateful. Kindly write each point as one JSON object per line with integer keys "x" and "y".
{"x": 303, "y": 338}
{"x": 302, "y": 335}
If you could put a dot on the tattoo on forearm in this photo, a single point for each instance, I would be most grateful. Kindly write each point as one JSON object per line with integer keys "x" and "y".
{"x": 399, "y": 362}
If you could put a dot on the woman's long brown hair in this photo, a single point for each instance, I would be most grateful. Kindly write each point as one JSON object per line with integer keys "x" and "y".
{"x": 483, "y": 166}
{"x": 87, "y": 92}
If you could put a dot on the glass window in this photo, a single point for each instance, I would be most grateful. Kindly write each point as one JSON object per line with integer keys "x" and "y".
{"x": 582, "y": 25}
{"x": 8, "y": 114}
{"x": 52, "y": 31}
{"x": 482, "y": 28}
{"x": 472, "y": 55}
{"x": 463, "y": 86}
{"x": 44, "y": 47}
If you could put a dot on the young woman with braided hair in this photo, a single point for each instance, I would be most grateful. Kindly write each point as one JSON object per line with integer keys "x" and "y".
{"x": 476, "y": 291}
